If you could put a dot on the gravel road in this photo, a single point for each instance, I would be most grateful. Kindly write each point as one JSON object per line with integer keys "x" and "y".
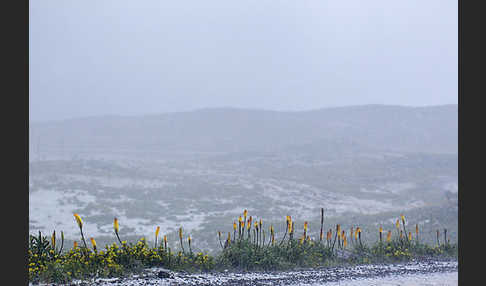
{"x": 428, "y": 273}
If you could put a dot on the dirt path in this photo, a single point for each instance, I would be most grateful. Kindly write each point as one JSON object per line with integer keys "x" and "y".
{"x": 428, "y": 273}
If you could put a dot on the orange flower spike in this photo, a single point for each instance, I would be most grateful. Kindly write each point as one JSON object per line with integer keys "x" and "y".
{"x": 388, "y": 236}
{"x": 116, "y": 226}
{"x": 93, "y": 242}
{"x": 245, "y": 212}
{"x": 78, "y": 220}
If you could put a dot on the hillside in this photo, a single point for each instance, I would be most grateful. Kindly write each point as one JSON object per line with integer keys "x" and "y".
{"x": 378, "y": 127}
{"x": 365, "y": 165}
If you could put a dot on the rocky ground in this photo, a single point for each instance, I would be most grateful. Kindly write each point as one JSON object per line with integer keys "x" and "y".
{"x": 411, "y": 273}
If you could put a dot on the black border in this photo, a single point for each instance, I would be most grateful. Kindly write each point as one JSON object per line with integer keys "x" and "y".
{"x": 470, "y": 117}
{"x": 15, "y": 121}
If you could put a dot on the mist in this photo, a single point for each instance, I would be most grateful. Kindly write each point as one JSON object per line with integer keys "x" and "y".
{"x": 128, "y": 58}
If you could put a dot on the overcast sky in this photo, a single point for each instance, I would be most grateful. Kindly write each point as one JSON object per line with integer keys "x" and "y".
{"x": 97, "y": 57}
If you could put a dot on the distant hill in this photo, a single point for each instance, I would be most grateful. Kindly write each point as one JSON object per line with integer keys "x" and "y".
{"x": 380, "y": 127}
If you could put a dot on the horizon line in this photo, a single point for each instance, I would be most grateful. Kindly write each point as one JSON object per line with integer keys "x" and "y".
{"x": 234, "y": 108}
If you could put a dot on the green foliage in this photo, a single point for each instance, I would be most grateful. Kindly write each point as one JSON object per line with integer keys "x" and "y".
{"x": 48, "y": 264}
{"x": 113, "y": 261}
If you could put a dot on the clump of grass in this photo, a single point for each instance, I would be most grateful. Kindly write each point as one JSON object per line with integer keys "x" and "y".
{"x": 249, "y": 254}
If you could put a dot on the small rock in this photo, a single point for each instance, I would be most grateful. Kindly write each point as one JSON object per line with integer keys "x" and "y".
{"x": 164, "y": 274}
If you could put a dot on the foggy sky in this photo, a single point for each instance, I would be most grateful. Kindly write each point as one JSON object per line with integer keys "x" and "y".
{"x": 97, "y": 57}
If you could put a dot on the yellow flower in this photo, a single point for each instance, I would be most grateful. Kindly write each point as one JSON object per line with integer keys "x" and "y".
{"x": 403, "y": 219}
{"x": 234, "y": 225}
{"x": 180, "y": 233}
{"x": 398, "y": 224}
{"x": 53, "y": 239}
{"x": 78, "y": 220}
{"x": 388, "y": 236}
{"x": 381, "y": 229}
{"x": 305, "y": 226}
{"x": 115, "y": 225}
{"x": 157, "y": 231}
{"x": 93, "y": 242}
